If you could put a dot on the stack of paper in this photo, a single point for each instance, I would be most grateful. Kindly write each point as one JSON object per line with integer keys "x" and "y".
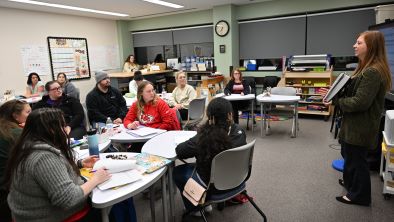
{"x": 145, "y": 131}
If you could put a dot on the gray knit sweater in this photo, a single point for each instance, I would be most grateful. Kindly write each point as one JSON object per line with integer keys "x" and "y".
{"x": 49, "y": 190}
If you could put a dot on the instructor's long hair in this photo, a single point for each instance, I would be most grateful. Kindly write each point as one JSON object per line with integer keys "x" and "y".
{"x": 214, "y": 134}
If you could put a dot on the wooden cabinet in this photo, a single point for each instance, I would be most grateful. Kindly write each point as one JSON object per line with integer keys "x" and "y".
{"x": 308, "y": 85}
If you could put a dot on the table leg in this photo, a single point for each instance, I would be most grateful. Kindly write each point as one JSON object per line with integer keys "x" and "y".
{"x": 152, "y": 202}
{"x": 252, "y": 115}
{"x": 164, "y": 198}
{"x": 295, "y": 121}
{"x": 262, "y": 118}
{"x": 171, "y": 190}
{"x": 104, "y": 214}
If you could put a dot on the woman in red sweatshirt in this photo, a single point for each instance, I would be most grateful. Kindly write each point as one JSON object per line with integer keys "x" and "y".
{"x": 149, "y": 110}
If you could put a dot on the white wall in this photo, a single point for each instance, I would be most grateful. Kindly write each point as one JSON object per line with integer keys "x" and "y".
{"x": 20, "y": 27}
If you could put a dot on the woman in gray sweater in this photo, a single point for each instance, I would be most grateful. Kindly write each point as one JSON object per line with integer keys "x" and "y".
{"x": 42, "y": 175}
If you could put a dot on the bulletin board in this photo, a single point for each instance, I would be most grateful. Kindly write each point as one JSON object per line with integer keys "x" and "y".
{"x": 69, "y": 55}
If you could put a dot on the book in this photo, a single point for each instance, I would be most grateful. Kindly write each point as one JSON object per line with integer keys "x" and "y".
{"x": 145, "y": 131}
{"x": 150, "y": 163}
{"x": 336, "y": 87}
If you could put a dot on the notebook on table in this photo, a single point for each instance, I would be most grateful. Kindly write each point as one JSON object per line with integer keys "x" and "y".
{"x": 145, "y": 131}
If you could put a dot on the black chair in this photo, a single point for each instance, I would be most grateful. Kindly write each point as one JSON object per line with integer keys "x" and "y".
{"x": 270, "y": 81}
{"x": 252, "y": 84}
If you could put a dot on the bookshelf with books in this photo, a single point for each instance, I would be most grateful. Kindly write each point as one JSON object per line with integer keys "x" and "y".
{"x": 309, "y": 85}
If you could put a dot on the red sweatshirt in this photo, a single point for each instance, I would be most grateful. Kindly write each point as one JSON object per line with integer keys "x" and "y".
{"x": 159, "y": 116}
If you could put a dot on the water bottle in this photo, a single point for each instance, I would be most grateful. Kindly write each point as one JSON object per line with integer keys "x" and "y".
{"x": 164, "y": 94}
{"x": 93, "y": 142}
{"x": 109, "y": 126}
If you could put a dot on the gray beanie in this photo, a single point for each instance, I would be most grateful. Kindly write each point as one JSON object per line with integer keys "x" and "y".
{"x": 100, "y": 75}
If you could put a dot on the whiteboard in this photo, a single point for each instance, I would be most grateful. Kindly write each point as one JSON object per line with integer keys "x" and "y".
{"x": 104, "y": 57}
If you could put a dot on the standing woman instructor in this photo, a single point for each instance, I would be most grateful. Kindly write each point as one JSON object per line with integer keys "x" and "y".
{"x": 362, "y": 106}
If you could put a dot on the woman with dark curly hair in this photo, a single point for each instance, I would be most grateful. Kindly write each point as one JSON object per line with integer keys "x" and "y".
{"x": 218, "y": 134}
{"x": 34, "y": 85}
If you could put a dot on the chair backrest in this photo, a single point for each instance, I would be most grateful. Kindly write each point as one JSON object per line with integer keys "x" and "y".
{"x": 270, "y": 81}
{"x": 232, "y": 167}
{"x": 197, "y": 108}
{"x": 78, "y": 93}
{"x": 288, "y": 91}
{"x": 86, "y": 121}
{"x": 251, "y": 82}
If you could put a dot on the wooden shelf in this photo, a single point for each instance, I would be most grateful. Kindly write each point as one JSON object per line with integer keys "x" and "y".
{"x": 304, "y": 86}
{"x": 313, "y": 112}
{"x": 305, "y": 102}
{"x": 298, "y": 78}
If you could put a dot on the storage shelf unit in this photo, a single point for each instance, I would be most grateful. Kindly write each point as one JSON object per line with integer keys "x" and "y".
{"x": 308, "y": 83}
{"x": 387, "y": 169}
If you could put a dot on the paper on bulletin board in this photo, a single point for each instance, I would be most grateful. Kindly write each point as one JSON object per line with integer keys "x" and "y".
{"x": 104, "y": 57}
{"x": 35, "y": 59}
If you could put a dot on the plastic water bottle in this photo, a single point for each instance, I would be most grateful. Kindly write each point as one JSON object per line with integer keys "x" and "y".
{"x": 93, "y": 142}
{"x": 109, "y": 126}
{"x": 164, "y": 94}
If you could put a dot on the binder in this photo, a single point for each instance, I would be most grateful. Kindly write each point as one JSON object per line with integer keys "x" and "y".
{"x": 336, "y": 87}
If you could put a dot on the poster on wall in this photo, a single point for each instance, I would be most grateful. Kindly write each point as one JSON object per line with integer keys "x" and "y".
{"x": 35, "y": 59}
{"x": 70, "y": 56}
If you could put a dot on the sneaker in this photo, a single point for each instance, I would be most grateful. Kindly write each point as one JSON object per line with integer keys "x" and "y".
{"x": 208, "y": 208}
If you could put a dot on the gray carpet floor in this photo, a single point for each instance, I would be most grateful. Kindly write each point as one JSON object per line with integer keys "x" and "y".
{"x": 292, "y": 180}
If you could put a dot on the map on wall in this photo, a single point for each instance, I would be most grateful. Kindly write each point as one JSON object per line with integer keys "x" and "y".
{"x": 35, "y": 59}
{"x": 70, "y": 56}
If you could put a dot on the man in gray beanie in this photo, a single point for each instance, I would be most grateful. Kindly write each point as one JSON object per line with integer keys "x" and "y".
{"x": 105, "y": 101}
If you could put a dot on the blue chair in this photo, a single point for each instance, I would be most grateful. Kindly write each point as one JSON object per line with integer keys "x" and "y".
{"x": 230, "y": 170}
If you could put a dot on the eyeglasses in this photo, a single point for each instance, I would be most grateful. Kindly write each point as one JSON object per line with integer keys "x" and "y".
{"x": 56, "y": 89}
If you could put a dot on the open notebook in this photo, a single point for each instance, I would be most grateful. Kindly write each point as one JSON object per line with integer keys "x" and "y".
{"x": 123, "y": 172}
{"x": 143, "y": 131}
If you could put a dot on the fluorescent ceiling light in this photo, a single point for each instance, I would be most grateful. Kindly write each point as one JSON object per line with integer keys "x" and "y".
{"x": 168, "y": 4}
{"x": 69, "y": 7}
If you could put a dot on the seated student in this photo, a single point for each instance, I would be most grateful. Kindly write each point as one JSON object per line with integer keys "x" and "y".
{"x": 34, "y": 85}
{"x": 105, "y": 101}
{"x": 150, "y": 110}
{"x": 237, "y": 85}
{"x": 137, "y": 80}
{"x": 71, "y": 107}
{"x": 159, "y": 58}
{"x": 218, "y": 134}
{"x": 13, "y": 116}
{"x": 43, "y": 178}
{"x": 68, "y": 88}
{"x": 130, "y": 65}
{"x": 182, "y": 95}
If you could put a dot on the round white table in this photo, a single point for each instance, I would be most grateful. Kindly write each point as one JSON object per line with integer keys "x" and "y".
{"x": 164, "y": 145}
{"x": 104, "y": 199}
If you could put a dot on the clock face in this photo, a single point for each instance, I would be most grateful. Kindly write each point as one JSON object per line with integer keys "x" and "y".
{"x": 222, "y": 28}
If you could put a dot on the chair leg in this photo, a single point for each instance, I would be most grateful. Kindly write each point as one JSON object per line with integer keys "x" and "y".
{"x": 247, "y": 122}
{"x": 255, "y": 205}
{"x": 202, "y": 211}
